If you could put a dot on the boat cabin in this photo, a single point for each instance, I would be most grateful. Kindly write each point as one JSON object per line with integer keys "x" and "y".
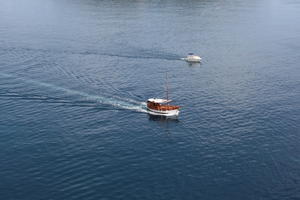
{"x": 160, "y": 105}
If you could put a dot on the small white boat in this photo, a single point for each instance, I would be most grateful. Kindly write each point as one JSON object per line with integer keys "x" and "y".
{"x": 192, "y": 58}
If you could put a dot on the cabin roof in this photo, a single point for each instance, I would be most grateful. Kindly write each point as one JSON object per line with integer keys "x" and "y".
{"x": 154, "y": 100}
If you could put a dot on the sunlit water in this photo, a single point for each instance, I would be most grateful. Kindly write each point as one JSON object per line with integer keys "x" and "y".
{"x": 74, "y": 76}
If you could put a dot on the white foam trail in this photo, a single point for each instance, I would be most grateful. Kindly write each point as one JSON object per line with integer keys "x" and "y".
{"x": 129, "y": 105}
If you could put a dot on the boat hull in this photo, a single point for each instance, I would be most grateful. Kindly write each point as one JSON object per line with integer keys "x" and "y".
{"x": 192, "y": 60}
{"x": 174, "y": 112}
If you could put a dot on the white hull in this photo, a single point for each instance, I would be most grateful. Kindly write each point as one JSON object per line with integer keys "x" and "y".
{"x": 192, "y": 59}
{"x": 163, "y": 113}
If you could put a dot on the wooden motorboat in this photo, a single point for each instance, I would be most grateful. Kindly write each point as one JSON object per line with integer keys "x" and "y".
{"x": 157, "y": 106}
{"x": 162, "y": 107}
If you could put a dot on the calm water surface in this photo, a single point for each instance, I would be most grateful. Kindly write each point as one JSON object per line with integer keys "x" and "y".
{"x": 74, "y": 76}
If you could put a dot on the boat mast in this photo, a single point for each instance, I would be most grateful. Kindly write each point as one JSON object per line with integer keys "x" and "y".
{"x": 167, "y": 88}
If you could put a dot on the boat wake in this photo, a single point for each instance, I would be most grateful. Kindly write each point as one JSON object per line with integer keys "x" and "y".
{"x": 120, "y": 103}
{"x": 131, "y": 54}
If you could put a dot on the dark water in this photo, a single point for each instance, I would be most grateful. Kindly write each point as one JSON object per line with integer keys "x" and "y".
{"x": 74, "y": 74}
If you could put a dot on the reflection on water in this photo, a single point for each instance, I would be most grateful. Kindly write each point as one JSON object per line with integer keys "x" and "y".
{"x": 165, "y": 122}
{"x": 161, "y": 118}
{"x": 194, "y": 64}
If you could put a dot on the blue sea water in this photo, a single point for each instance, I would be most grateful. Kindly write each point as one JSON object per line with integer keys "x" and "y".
{"x": 74, "y": 76}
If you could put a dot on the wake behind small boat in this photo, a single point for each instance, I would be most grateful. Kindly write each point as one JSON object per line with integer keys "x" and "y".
{"x": 192, "y": 58}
